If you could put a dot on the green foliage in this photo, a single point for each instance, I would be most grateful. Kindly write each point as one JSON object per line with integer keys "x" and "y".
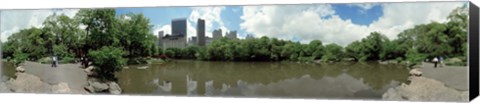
{"x": 333, "y": 52}
{"x": 67, "y": 60}
{"x": 19, "y": 57}
{"x": 414, "y": 57}
{"x": 108, "y": 60}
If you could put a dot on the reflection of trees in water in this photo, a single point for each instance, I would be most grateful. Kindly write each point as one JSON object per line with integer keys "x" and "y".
{"x": 377, "y": 75}
{"x": 227, "y": 74}
{"x": 341, "y": 86}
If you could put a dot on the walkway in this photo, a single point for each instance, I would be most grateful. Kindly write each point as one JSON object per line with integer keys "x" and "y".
{"x": 453, "y": 76}
{"x": 71, "y": 74}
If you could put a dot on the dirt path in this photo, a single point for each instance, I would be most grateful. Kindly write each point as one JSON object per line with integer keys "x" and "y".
{"x": 71, "y": 74}
{"x": 453, "y": 76}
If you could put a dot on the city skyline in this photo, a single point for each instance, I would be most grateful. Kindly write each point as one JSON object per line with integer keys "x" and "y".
{"x": 330, "y": 23}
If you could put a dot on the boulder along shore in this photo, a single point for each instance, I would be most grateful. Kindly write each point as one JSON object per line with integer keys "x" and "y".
{"x": 33, "y": 77}
{"x": 425, "y": 83}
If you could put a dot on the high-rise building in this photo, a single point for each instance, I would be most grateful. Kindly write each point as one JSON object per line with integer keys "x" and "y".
{"x": 178, "y": 38}
{"x": 179, "y": 26}
{"x": 217, "y": 34}
{"x": 231, "y": 35}
{"x": 201, "y": 32}
{"x": 160, "y": 37}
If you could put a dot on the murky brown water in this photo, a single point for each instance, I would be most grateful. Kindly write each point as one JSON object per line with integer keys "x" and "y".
{"x": 263, "y": 79}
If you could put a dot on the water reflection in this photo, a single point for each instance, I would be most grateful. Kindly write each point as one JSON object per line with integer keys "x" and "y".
{"x": 259, "y": 79}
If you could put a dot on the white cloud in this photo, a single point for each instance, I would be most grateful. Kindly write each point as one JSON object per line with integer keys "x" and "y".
{"x": 14, "y": 20}
{"x": 211, "y": 15}
{"x": 307, "y": 22}
{"x": 364, "y": 6}
{"x": 167, "y": 29}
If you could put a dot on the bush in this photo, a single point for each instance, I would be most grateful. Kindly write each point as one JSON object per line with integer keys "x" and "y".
{"x": 19, "y": 57}
{"x": 45, "y": 60}
{"x": 108, "y": 60}
{"x": 67, "y": 60}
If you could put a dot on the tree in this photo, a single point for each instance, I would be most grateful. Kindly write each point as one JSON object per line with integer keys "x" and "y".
{"x": 109, "y": 60}
{"x": 333, "y": 52}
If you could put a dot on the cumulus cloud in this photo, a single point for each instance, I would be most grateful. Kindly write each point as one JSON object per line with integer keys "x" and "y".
{"x": 14, "y": 20}
{"x": 308, "y": 22}
{"x": 167, "y": 29}
{"x": 211, "y": 15}
{"x": 364, "y": 6}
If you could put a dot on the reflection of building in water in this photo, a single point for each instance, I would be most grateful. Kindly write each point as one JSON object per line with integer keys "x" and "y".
{"x": 165, "y": 88}
{"x": 191, "y": 86}
{"x": 209, "y": 88}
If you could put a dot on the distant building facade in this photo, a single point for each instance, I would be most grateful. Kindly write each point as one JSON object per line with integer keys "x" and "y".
{"x": 174, "y": 41}
{"x": 249, "y": 36}
{"x": 231, "y": 35}
{"x": 200, "y": 32}
{"x": 179, "y": 27}
{"x": 208, "y": 40}
{"x": 178, "y": 38}
{"x": 217, "y": 34}
{"x": 160, "y": 37}
{"x": 192, "y": 41}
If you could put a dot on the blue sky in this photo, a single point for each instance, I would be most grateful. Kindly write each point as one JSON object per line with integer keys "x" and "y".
{"x": 231, "y": 15}
{"x": 330, "y": 23}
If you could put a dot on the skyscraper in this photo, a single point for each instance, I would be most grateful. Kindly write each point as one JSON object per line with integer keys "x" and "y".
{"x": 179, "y": 26}
{"x": 201, "y": 32}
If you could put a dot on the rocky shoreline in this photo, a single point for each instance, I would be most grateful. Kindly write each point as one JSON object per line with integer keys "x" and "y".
{"x": 28, "y": 83}
{"x": 95, "y": 85}
{"x": 421, "y": 88}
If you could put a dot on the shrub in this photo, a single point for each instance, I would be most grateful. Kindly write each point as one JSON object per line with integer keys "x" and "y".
{"x": 67, "y": 60}
{"x": 19, "y": 57}
{"x": 45, "y": 60}
{"x": 108, "y": 60}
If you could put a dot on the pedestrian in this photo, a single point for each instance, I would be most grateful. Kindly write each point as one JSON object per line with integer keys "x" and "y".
{"x": 441, "y": 61}
{"x": 56, "y": 60}
{"x": 435, "y": 61}
{"x": 53, "y": 61}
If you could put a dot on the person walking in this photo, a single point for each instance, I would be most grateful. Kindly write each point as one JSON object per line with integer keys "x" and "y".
{"x": 440, "y": 59}
{"x": 56, "y": 60}
{"x": 53, "y": 61}
{"x": 435, "y": 62}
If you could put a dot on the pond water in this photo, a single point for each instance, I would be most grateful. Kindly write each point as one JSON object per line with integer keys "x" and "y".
{"x": 262, "y": 79}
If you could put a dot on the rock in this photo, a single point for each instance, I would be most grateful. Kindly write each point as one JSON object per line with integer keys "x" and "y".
{"x": 28, "y": 83}
{"x": 89, "y": 89}
{"x": 89, "y": 70}
{"x": 61, "y": 88}
{"x": 114, "y": 88}
{"x": 20, "y": 69}
{"x": 3, "y": 87}
{"x": 99, "y": 87}
{"x": 424, "y": 89}
{"x": 415, "y": 72}
{"x": 142, "y": 67}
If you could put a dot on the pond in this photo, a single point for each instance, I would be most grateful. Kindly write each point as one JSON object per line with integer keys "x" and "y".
{"x": 262, "y": 79}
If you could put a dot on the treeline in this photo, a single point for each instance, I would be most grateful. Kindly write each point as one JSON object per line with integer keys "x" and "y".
{"x": 101, "y": 31}
{"x": 421, "y": 42}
